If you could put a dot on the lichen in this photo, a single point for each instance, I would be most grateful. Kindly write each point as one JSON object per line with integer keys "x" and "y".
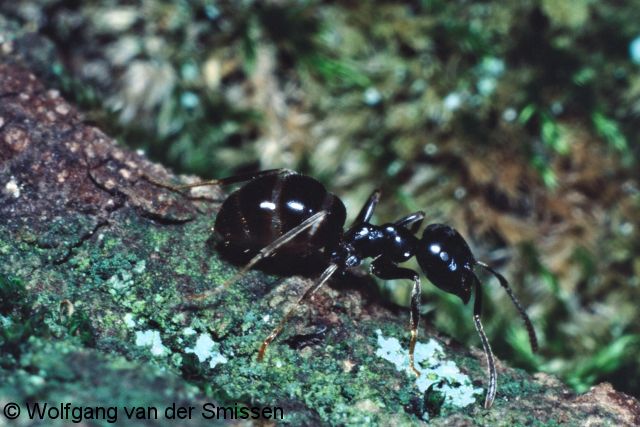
{"x": 12, "y": 188}
{"x": 151, "y": 339}
{"x": 435, "y": 370}
{"x": 206, "y": 349}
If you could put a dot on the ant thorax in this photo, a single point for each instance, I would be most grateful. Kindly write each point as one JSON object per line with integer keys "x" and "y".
{"x": 394, "y": 243}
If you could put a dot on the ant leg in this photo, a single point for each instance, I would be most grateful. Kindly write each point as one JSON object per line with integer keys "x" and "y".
{"x": 523, "y": 314}
{"x": 265, "y": 252}
{"x": 367, "y": 210}
{"x": 412, "y": 221}
{"x": 387, "y": 270}
{"x": 272, "y": 247}
{"x": 222, "y": 181}
{"x": 307, "y": 294}
{"x": 493, "y": 377}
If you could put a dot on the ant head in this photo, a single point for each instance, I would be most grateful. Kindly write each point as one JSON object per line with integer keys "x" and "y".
{"x": 446, "y": 260}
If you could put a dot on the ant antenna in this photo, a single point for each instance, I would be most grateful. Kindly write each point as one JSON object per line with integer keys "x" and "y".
{"x": 491, "y": 366}
{"x": 523, "y": 314}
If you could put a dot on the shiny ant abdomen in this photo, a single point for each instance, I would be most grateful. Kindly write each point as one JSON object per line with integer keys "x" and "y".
{"x": 267, "y": 207}
{"x": 280, "y": 215}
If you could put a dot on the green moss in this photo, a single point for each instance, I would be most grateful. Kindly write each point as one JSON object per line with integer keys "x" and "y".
{"x": 128, "y": 287}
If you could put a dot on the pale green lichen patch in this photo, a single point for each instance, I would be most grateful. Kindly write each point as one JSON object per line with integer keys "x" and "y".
{"x": 140, "y": 267}
{"x": 435, "y": 371}
{"x": 129, "y": 320}
{"x": 151, "y": 339}
{"x": 207, "y": 349}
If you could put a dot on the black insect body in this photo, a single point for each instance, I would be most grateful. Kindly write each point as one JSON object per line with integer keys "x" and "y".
{"x": 282, "y": 215}
{"x": 265, "y": 208}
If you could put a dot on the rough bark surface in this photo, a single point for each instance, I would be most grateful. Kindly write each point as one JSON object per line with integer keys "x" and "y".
{"x": 97, "y": 268}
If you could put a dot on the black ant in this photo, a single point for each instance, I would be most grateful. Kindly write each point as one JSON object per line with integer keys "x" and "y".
{"x": 280, "y": 214}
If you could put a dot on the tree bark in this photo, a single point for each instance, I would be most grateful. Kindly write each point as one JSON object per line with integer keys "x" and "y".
{"x": 99, "y": 271}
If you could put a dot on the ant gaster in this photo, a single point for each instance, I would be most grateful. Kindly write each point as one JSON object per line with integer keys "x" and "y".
{"x": 281, "y": 214}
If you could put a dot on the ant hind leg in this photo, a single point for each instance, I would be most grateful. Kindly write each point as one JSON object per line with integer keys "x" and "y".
{"x": 222, "y": 181}
{"x": 266, "y": 252}
{"x": 328, "y": 272}
{"x": 272, "y": 247}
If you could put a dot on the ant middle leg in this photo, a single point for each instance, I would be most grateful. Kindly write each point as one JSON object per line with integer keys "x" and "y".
{"x": 328, "y": 272}
{"x": 388, "y": 270}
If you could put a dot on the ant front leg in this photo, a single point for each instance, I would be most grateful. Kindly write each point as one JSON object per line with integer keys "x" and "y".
{"x": 411, "y": 222}
{"x": 387, "y": 270}
{"x": 367, "y": 210}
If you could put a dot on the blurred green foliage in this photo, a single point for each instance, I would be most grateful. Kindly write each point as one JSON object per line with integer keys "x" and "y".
{"x": 513, "y": 120}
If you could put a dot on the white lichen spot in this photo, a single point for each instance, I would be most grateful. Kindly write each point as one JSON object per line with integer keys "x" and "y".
{"x": 188, "y": 331}
{"x": 36, "y": 380}
{"x": 266, "y": 318}
{"x": 151, "y": 338}
{"x": 125, "y": 173}
{"x": 110, "y": 184}
{"x": 435, "y": 371}
{"x": 140, "y": 267}
{"x": 347, "y": 365}
{"x": 12, "y": 188}
{"x": 217, "y": 359}
{"x": 62, "y": 176}
{"x": 207, "y": 349}
{"x": 129, "y": 320}
{"x": 6, "y": 47}
{"x": 120, "y": 280}
{"x": 116, "y": 19}
{"x": 62, "y": 109}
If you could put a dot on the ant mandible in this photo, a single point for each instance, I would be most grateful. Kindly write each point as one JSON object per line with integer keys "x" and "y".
{"x": 279, "y": 213}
